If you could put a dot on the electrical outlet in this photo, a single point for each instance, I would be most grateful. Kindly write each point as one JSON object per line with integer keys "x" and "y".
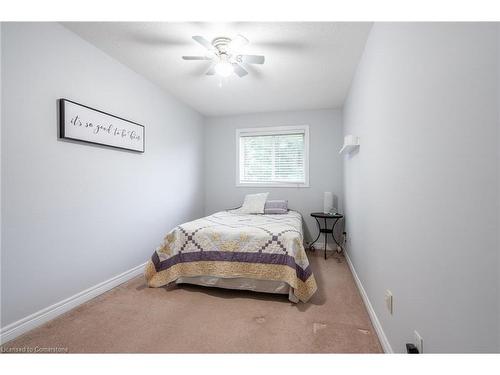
{"x": 346, "y": 238}
{"x": 419, "y": 342}
{"x": 389, "y": 301}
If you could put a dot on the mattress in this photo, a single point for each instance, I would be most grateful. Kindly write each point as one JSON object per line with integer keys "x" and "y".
{"x": 232, "y": 245}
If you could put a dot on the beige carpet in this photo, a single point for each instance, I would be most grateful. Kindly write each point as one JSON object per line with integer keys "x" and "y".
{"x": 181, "y": 319}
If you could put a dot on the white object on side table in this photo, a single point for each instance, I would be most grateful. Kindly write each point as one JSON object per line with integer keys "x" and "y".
{"x": 327, "y": 202}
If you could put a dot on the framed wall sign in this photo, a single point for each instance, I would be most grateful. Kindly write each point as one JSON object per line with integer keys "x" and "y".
{"x": 81, "y": 123}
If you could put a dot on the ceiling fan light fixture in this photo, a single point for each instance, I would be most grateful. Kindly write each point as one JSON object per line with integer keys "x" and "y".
{"x": 224, "y": 69}
{"x": 225, "y": 56}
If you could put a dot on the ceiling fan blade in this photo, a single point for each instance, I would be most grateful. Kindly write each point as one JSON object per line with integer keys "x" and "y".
{"x": 211, "y": 70}
{"x": 196, "y": 58}
{"x": 251, "y": 59}
{"x": 205, "y": 43}
{"x": 239, "y": 70}
{"x": 237, "y": 42}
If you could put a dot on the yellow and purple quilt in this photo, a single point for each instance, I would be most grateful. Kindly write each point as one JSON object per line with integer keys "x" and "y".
{"x": 229, "y": 244}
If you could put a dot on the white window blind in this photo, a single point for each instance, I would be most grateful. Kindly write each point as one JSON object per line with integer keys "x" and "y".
{"x": 273, "y": 156}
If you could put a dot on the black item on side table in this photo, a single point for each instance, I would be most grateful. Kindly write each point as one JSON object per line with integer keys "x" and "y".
{"x": 326, "y": 230}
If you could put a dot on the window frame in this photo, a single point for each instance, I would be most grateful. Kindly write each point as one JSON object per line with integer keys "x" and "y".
{"x": 273, "y": 130}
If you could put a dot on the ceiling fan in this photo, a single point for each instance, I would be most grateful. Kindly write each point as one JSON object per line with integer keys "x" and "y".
{"x": 224, "y": 54}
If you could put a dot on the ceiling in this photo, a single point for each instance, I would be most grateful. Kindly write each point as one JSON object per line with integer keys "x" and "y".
{"x": 309, "y": 65}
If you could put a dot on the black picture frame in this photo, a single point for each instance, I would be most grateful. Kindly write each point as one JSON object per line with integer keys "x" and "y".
{"x": 63, "y": 123}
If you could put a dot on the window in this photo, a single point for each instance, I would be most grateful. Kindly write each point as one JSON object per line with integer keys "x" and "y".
{"x": 277, "y": 156}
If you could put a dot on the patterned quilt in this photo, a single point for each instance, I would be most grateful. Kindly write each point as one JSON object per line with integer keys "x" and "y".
{"x": 229, "y": 244}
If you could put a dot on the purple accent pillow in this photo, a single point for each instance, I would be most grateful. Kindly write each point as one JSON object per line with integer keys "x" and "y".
{"x": 276, "y": 207}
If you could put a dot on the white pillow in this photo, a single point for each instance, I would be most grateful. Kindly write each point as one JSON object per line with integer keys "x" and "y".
{"x": 254, "y": 203}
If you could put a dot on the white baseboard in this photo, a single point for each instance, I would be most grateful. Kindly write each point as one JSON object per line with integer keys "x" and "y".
{"x": 26, "y": 324}
{"x": 386, "y": 346}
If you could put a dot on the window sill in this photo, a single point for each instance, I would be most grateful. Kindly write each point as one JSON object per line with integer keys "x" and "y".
{"x": 268, "y": 185}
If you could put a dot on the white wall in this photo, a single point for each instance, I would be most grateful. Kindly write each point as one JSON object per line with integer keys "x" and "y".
{"x": 498, "y": 149}
{"x": 74, "y": 215}
{"x": 325, "y": 173}
{"x": 421, "y": 195}
{"x": 1, "y": 26}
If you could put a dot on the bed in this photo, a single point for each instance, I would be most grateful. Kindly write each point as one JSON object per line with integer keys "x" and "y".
{"x": 229, "y": 249}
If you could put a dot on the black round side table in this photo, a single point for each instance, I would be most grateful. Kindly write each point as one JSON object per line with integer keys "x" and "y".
{"x": 326, "y": 230}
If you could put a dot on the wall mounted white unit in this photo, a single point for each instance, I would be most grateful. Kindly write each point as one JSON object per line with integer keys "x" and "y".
{"x": 351, "y": 142}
